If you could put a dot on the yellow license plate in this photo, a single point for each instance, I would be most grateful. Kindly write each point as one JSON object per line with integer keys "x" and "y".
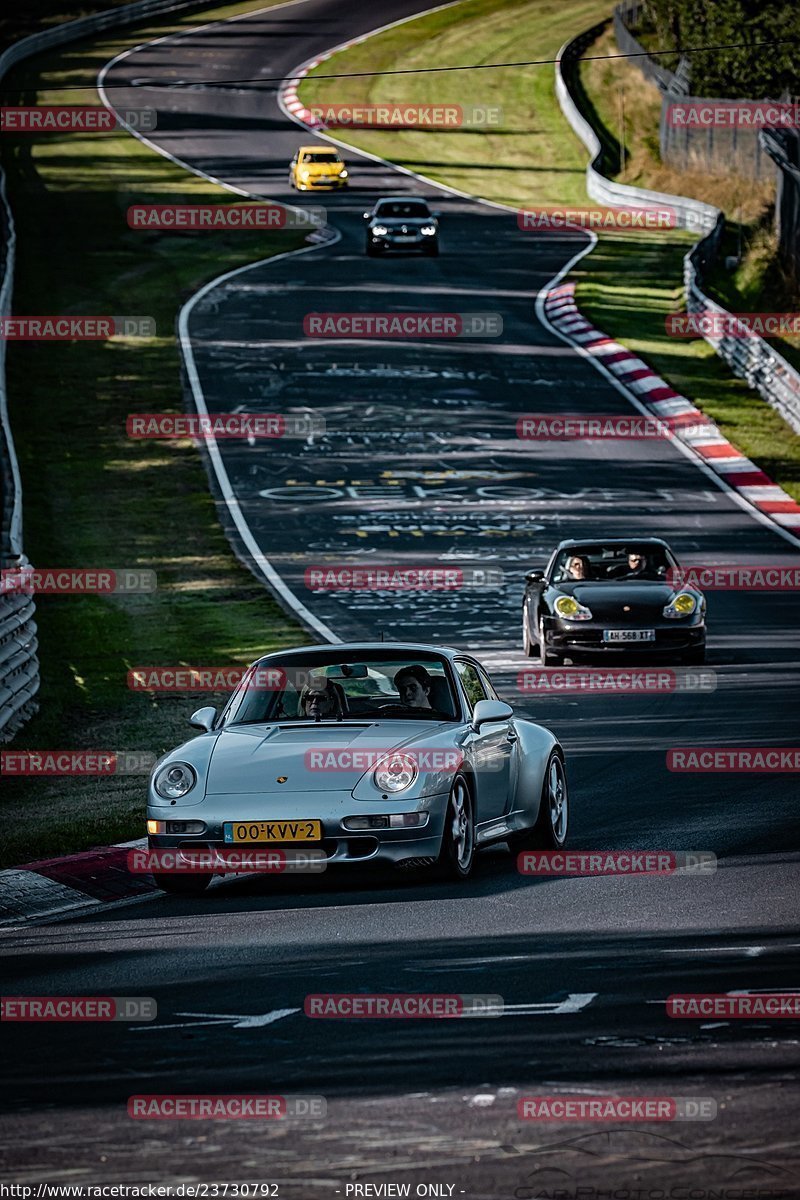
{"x": 273, "y": 831}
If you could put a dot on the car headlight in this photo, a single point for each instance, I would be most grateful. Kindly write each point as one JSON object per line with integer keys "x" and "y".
{"x": 429, "y": 230}
{"x": 379, "y": 230}
{"x": 683, "y": 605}
{"x": 395, "y": 773}
{"x": 174, "y": 780}
{"x": 305, "y": 174}
{"x": 343, "y": 174}
{"x": 569, "y": 608}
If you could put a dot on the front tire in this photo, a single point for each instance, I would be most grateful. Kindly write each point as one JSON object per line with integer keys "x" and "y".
{"x": 529, "y": 647}
{"x": 457, "y": 855}
{"x": 552, "y": 824}
{"x": 550, "y": 658}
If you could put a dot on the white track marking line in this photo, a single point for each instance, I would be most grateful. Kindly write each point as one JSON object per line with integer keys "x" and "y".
{"x": 259, "y": 558}
{"x": 101, "y": 79}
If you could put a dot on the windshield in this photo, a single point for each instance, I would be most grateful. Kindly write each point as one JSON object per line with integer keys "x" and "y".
{"x": 402, "y": 208}
{"x": 601, "y": 563}
{"x": 322, "y": 156}
{"x": 328, "y": 688}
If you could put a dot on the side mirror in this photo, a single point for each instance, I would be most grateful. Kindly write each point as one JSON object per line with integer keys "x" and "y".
{"x": 435, "y": 213}
{"x": 534, "y": 577}
{"x": 490, "y": 710}
{"x": 204, "y": 718}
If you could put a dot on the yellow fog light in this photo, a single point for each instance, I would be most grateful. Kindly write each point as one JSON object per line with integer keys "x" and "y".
{"x": 566, "y": 606}
{"x": 155, "y": 826}
{"x": 683, "y": 605}
{"x": 571, "y": 609}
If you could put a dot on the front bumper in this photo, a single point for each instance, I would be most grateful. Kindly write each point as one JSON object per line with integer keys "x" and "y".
{"x": 313, "y": 185}
{"x": 575, "y": 638}
{"x": 393, "y": 847}
{"x": 388, "y": 242}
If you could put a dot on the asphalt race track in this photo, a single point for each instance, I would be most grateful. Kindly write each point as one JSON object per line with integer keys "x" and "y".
{"x": 420, "y": 465}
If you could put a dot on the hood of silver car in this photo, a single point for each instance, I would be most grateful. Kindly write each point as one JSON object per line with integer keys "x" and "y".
{"x": 324, "y": 756}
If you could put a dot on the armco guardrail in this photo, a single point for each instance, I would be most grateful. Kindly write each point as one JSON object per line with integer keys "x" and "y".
{"x": 689, "y": 214}
{"x": 750, "y": 358}
{"x": 19, "y": 664}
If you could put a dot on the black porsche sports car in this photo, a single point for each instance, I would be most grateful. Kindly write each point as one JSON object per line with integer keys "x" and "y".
{"x": 611, "y": 598}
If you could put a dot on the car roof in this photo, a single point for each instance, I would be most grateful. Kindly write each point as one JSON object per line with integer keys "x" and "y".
{"x": 321, "y": 146}
{"x": 392, "y": 648}
{"x": 400, "y": 199}
{"x": 612, "y": 541}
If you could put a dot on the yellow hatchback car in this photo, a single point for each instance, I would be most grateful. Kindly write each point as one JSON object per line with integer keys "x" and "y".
{"x": 317, "y": 168}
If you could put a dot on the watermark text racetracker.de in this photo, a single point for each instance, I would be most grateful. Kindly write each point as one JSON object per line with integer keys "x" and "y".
{"x": 737, "y": 1005}
{"x": 402, "y": 325}
{"x": 406, "y": 115}
{"x": 242, "y": 1107}
{"x": 73, "y": 328}
{"x": 733, "y": 114}
{"x": 213, "y": 860}
{"x": 208, "y": 218}
{"x": 76, "y": 762}
{"x": 712, "y": 324}
{"x": 560, "y": 427}
{"x": 614, "y": 681}
{"x": 735, "y": 577}
{"x": 565, "y": 1108}
{"x": 346, "y": 577}
{"x": 222, "y": 425}
{"x": 72, "y": 1009}
{"x": 746, "y": 760}
{"x": 401, "y": 1005}
{"x": 181, "y": 678}
{"x": 616, "y": 862}
{"x": 551, "y": 219}
{"x": 76, "y": 581}
{"x": 72, "y": 118}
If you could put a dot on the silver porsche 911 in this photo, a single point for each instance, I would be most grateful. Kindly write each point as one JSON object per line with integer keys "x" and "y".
{"x": 374, "y": 753}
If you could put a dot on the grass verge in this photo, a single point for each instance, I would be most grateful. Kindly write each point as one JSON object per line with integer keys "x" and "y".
{"x": 531, "y": 156}
{"x": 628, "y": 292}
{"x": 629, "y": 284}
{"x": 92, "y": 497}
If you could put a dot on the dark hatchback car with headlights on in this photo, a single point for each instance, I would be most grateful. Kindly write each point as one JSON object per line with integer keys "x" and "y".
{"x": 612, "y": 598}
{"x": 402, "y": 223}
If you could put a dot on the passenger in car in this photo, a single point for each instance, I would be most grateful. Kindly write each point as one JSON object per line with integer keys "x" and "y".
{"x": 414, "y": 685}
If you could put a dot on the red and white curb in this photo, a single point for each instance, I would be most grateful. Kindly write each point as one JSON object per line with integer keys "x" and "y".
{"x": 700, "y": 434}
{"x": 287, "y": 92}
{"x": 78, "y": 882}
